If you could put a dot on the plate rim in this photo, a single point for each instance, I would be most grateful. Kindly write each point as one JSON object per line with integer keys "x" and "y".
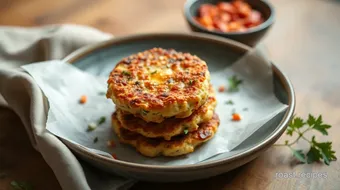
{"x": 263, "y": 144}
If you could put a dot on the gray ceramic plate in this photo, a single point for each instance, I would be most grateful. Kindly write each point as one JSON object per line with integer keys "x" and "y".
{"x": 99, "y": 59}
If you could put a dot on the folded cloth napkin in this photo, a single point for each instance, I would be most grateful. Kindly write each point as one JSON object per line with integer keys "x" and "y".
{"x": 18, "y": 91}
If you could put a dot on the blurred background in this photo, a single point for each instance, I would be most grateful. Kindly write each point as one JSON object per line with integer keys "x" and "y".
{"x": 305, "y": 31}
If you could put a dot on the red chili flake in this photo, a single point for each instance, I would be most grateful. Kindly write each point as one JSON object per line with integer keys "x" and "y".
{"x": 83, "y": 99}
{"x": 221, "y": 88}
{"x": 236, "y": 117}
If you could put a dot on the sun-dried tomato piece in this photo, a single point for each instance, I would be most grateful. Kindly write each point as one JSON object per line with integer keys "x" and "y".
{"x": 225, "y": 17}
{"x": 204, "y": 10}
{"x": 242, "y": 7}
{"x": 226, "y": 7}
{"x": 206, "y": 21}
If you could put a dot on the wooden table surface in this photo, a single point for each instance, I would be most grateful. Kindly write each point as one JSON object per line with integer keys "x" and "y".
{"x": 304, "y": 43}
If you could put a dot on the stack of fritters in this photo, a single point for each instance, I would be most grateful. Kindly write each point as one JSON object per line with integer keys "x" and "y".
{"x": 165, "y": 102}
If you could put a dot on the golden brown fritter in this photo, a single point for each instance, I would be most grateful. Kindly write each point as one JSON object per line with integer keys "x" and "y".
{"x": 177, "y": 146}
{"x": 158, "y": 84}
{"x": 172, "y": 126}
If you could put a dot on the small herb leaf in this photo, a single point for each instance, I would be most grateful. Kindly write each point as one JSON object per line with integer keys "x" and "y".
{"x": 299, "y": 155}
{"x": 101, "y": 93}
{"x": 294, "y": 124}
{"x": 289, "y": 131}
{"x": 186, "y": 131}
{"x": 229, "y": 102}
{"x": 126, "y": 73}
{"x": 326, "y": 151}
{"x": 234, "y": 83}
{"x": 311, "y": 120}
{"x": 319, "y": 120}
{"x": 101, "y": 120}
{"x": 297, "y": 123}
{"x": 322, "y": 128}
{"x": 145, "y": 112}
{"x": 95, "y": 140}
{"x": 313, "y": 155}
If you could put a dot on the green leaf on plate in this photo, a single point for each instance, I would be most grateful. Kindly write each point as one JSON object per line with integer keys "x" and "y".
{"x": 234, "y": 83}
{"x": 101, "y": 120}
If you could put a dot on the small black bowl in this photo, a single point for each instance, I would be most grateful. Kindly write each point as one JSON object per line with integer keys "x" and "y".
{"x": 250, "y": 37}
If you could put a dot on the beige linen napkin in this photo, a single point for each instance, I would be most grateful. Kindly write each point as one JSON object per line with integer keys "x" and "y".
{"x": 18, "y": 91}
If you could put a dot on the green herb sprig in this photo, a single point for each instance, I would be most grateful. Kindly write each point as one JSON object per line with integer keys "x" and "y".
{"x": 234, "y": 83}
{"x": 229, "y": 102}
{"x": 92, "y": 126}
{"x": 318, "y": 150}
{"x": 101, "y": 120}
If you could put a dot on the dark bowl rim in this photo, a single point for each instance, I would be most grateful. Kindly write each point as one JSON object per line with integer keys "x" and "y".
{"x": 258, "y": 28}
{"x": 262, "y": 144}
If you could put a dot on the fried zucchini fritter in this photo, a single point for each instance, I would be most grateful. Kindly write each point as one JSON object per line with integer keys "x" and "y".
{"x": 172, "y": 126}
{"x": 177, "y": 146}
{"x": 158, "y": 84}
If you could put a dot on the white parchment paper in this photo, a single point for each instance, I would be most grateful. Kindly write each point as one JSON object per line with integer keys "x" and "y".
{"x": 63, "y": 84}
